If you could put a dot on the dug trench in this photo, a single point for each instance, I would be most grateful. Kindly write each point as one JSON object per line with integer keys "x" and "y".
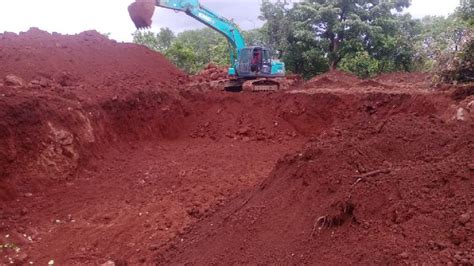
{"x": 151, "y": 171}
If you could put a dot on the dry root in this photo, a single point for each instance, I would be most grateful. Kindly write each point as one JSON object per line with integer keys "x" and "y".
{"x": 345, "y": 213}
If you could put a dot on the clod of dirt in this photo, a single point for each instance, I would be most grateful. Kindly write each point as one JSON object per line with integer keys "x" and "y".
{"x": 325, "y": 82}
{"x": 461, "y": 114}
{"x": 464, "y": 219}
{"x": 14, "y": 81}
{"x": 458, "y": 236}
{"x": 471, "y": 166}
{"x": 373, "y": 83}
{"x": 462, "y": 92}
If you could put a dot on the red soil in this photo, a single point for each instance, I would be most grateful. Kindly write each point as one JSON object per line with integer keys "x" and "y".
{"x": 393, "y": 191}
{"x": 106, "y": 154}
{"x": 87, "y": 65}
{"x": 333, "y": 79}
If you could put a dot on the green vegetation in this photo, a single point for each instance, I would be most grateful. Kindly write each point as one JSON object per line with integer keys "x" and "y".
{"x": 190, "y": 50}
{"x": 365, "y": 37}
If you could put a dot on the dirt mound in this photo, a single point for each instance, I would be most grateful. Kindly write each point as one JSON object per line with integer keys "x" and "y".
{"x": 210, "y": 73}
{"x": 333, "y": 79}
{"x": 400, "y": 78}
{"x": 372, "y": 83}
{"x": 392, "y": 192}
{"x": 87, "y": 64}
{"x": 65, "y": 96}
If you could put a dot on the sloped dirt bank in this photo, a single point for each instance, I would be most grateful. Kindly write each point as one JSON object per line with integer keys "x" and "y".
{"x": 395, "y": 191}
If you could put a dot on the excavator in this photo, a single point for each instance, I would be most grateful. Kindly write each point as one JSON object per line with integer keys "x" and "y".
{"x": 252, "y": 67}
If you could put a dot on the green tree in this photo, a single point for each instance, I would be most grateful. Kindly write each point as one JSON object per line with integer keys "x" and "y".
{"x": 208, "y": 45}
{"x": 276, "y": 28}
{"x": 361, "y": 64}
{"x": 452, "y": 41}
{"x": 183, "y": 56}
{"x": 158, "y": 42}
{"x": 254, "y": 37}
{"x": 392, "y": 42}
{"x": 342, "y": 23}
{"x": 465, "y": 11}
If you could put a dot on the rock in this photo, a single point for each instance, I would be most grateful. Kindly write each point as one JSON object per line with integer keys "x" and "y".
{"x": 404, "y": 255}
{"x": 464, "y": 219}
{"x": 445, "y": 253}
{"x": 471, "y": 166}
{"x": 108, "y": 263}
{"x": 43, "y": 82}
{"x": 470, "y": 106}
{"x": 458, "y": 236}
{"x": 12, "y": 80}
{"x": 22, "y": 258}
{"x": 244, "y": 131}
{"x": 461, "y": 114}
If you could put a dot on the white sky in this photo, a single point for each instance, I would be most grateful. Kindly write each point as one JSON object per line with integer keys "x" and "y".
{"x": 111, "y": 16}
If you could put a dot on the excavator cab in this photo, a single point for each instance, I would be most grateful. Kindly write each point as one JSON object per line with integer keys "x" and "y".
{"x": 254, "y": 62}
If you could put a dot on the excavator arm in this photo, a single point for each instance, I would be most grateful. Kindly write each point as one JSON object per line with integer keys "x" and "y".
{"x": 141, "y": 12}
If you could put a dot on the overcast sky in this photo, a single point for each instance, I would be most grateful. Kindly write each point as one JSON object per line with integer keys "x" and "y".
{"x": 111, "y": 16}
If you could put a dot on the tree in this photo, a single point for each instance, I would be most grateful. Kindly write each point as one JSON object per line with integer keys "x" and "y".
{"x": 392, "y": 42}
{"x": 165, "y": 38}
{"x": 158, "y": 42}
{"x": 341, "y": 23}
{"x": 255, "y": 37}
{"x": 208, "y": 45}
{"x": 277, "y": 25}
{"x": 183, "y": 56}
{"x": 465, "y": 11}
{"x": 453, "y": 36}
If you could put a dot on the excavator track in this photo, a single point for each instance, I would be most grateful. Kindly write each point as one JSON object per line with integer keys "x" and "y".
{"x": 263, "y": 85}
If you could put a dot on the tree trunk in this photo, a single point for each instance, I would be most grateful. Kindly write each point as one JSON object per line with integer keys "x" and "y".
{"x": 335, "y": 58}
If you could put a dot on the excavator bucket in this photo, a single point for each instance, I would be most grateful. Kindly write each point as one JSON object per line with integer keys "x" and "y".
{"x": 141, "y": 12}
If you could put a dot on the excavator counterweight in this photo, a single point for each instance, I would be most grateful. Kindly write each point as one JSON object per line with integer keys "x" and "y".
{"x": 141, "y": 12}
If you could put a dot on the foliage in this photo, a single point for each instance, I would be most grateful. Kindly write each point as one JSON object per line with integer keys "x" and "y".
{"x": 315, "y": 36}
{"x": 365, "y": 37}
{"x": 254, "y": 37}
{"x": 207, "y": 45}
{"x": 345, "y": 26}
{"x": 159, "y": 42}
{"x": 277, "y": 25}
{"x": 106, "y": 34}
{"x": 361, "y": 64}
{"x": 461, "y": 67}
{"x": 454, "y": 43}
{"x": 465, "y": 11}
{"x": 183, "y": 56}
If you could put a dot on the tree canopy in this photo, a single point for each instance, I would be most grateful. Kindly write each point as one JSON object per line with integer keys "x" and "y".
{"x": 365, "y": 37}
